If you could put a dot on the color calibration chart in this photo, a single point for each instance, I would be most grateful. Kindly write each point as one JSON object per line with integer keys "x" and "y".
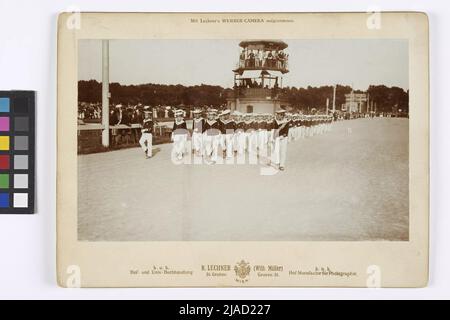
{"x": 17, "y": 151}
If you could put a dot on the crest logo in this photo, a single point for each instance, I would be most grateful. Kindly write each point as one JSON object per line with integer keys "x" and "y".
{"x": 242, "y": 270}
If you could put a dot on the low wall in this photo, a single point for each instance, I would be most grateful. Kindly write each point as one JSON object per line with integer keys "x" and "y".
{"x": 90, "y": 137}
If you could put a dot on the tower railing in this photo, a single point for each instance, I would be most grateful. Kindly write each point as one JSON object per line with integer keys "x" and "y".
{"x": 263, "y": 64}
{"x": 256, "y": 93}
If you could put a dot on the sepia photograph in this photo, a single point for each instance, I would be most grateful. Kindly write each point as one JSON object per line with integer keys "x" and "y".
{"x": 243, "y": 140}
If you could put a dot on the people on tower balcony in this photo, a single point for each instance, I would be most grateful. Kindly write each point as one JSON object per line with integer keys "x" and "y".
{"x": 270, "y": 59}
{"x": 251, "y": 59}
{"x": 260, "y": 58}
{"x": 263, "y": 58}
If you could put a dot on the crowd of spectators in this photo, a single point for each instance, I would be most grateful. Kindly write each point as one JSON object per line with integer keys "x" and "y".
{"x": 125, "y": 120}
{"x": 89, "y": 110}
{"x": 130, "y": 114}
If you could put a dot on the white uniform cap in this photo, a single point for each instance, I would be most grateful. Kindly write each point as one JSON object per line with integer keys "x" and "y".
{"x": 179, "y": 113}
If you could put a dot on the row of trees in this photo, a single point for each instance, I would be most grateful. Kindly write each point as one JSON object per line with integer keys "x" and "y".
{"x": 385, "y": 98}
{"x": 153, "y": 94}
{"x": 315, "y": 97}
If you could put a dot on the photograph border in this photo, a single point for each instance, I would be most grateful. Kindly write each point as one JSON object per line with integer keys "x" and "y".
{"x": 196, "y": 263}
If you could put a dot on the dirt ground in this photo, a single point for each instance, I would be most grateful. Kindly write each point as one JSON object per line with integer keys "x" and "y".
{"x": 348, "y": 184}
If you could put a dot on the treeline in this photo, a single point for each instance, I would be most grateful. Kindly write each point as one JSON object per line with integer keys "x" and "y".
{"x": 385, "y": 98}
{"x": 315, "y": 97}
{"x": 388, "y": 98}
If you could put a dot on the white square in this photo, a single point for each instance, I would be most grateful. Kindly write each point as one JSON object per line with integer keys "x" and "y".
{"x": 20, "y": 181}
{"x": 20, "y": 200}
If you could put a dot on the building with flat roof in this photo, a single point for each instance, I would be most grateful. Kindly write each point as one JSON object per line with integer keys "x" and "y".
{"x": 355, "y": 102}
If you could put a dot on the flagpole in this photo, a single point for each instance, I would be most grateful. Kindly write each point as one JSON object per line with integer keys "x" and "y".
{"x": 334, "y": 98}
{"x": 105, "y": 93}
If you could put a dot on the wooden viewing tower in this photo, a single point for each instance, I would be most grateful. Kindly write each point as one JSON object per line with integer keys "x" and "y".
{"x": 258, "y": 77}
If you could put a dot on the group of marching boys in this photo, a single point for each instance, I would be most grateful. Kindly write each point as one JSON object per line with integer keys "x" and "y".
{"x": 263, "y": 135}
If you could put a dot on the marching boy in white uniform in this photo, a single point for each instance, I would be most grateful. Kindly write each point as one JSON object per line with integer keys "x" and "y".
{"x": 294, "y": 127}
{"x": 179, "y": 135}
{"x": 239, "y": 133}
{"x": 198, "y": 127}
{"x": 228, "y": 127}
{"x": 211, "y": 137}
{"x": 303, "y": 125}
{"x": 298, "y": 128}
{"x": 250, "y": 133}
{"x": 290, "y": 120}
{"x": 146, "y": 140}
{"x": 320, "y": 123}
{"x": 262, "y": 135}
{"x": 279, "y": 151}
{"x": 270, "y": 120}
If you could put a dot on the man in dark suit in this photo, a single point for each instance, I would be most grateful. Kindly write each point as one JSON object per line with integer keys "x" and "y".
{"x": 137, "y": 118}
{"x": 115, "y": 119}
{"x": 146, "y": 140}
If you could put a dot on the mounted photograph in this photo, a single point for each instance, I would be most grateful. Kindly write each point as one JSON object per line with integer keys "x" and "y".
{"x": 263, "y": 139}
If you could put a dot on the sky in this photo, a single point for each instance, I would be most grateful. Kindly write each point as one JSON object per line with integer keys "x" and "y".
{"x": 357, "y": 63}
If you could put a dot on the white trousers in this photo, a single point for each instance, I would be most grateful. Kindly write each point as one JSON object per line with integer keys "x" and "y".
{"x": 228, "y": 139}
{"x": 295, "y": 133}
{"x": 211, "y": 145}
{"x": 197, "y": 142}
{"x": 179, "y": 144}
{"x": 263, "y": 138}
{"x": 279, "y": 151}
{"x": 270, "y": 141}
{"x": 146, "y": 141}
{"x": 222, "y": 142}
{"x": 291, "y": 134}
{"x": 239, "y": 142}
{"x": 252, "y": 141}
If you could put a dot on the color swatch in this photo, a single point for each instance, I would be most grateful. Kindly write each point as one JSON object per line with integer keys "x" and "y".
{"x": 17, "y": 152}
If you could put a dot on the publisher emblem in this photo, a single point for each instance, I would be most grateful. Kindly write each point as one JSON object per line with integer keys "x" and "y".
{"x": 242, "y": 270}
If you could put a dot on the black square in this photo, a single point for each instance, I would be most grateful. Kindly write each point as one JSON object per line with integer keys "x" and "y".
{"x": 21, "y": 105}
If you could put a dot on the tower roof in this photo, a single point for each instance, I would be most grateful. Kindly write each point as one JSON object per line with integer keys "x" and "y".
{"x": 263, "y": 44}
